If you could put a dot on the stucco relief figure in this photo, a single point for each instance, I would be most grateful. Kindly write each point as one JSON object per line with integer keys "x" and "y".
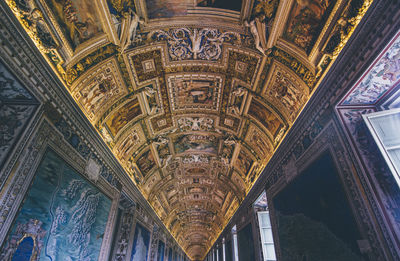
{"x": 257, "y": 29}
{"x": 132, "y": 21}
{"x": 261, "y": 25}
{"x": 152, "y": 101}
{"x": 237, "y": 100}
{"x": 257, "y": 140}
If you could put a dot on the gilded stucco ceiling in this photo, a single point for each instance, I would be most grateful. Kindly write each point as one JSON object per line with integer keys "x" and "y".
{"x": 192, "y": 97}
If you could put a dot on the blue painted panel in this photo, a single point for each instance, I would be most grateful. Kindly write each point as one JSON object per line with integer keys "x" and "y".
{"x": 161, "y": 248}
{"x": 170, "y": 254}
{"x": 141, "y": 243}
{"x": 24, "y": 250}
{"x": 65, "y": 213}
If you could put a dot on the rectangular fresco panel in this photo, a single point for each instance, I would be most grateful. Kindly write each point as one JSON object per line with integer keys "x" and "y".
{"x": 306, "y": 21}
{"x": 196, "y": 143}
{"x": 78, "y": 19}
{"x": 141, "y": 243}
{"x": 63, "y": 216}
{"x": 265, "y": 117}
{"x": 124, "y": 115}
{"x": 194, "y": 92}
{"x": 166, "y": 8}
{"x": 314, "y": 218}
{"x": 146, "y": 162}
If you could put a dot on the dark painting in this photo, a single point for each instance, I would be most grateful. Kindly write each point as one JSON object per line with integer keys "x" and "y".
{"x": 314, "y": 218}
{"x": 234, "y": 5}
{"x": 220, "y": 254}
{"x": 228, "y": 250}
{"x": 17, "y": 106}
{"x": 246, "y": 243}
{"x": 123, "y": 116}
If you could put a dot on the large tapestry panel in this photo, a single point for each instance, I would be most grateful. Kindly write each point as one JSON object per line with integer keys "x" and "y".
{"x": 63, "y": 217}
{"x": 314, "y": 218}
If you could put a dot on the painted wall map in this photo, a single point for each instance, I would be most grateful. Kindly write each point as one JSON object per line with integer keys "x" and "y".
{"x": 16, "y": 108}
{"x": 314, "y": 218}
{"x": 63, "y": 216}
{"x": 141, "y": 243}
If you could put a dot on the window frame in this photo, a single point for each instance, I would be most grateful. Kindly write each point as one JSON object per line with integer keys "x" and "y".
{"x": 368, "y": 119}
{"x": 264, "y": 242}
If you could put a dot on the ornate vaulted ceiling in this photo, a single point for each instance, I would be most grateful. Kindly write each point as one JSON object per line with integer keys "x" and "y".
{"x": 192, "y": 97}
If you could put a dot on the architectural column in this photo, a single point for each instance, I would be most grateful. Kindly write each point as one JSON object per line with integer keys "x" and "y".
{"x": 223, "y": 249}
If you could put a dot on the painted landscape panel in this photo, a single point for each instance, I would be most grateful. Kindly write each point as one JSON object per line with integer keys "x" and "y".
{"x": 63, "y": 217}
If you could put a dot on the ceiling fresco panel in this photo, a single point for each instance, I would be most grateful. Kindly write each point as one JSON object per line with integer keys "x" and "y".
{"x": 193, "y": 106}
{"x": 78, "y": 20}
{"x": 99, "y": 88}
{"x": 306, "y": 20}
{"x": 166, "y": 8}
